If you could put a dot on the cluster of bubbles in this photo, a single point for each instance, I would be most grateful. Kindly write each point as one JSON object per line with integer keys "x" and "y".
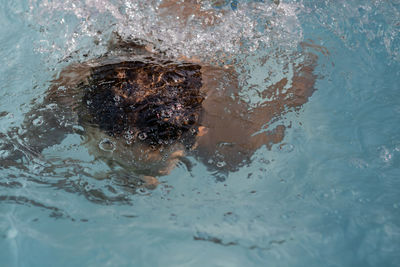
{"x": 69, "y": 26}
{"x": 226, "y": 33}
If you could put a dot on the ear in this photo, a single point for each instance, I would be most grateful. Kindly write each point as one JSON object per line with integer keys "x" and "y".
{"x": 202, "y": 131}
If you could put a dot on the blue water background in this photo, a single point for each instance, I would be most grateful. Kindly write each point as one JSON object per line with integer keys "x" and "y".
{"x": 329, "y": 197}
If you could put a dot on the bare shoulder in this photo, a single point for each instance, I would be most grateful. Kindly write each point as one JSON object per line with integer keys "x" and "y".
{"x": 234, "y": 129}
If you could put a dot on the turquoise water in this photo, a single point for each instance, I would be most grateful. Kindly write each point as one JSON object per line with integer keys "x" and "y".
{"x": 327, "y": 195}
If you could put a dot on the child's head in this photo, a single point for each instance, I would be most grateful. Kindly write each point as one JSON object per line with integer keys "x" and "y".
{"x": 157, "y": 103}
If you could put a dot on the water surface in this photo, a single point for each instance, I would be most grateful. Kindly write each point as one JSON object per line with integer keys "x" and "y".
{"x": 328, "y": 194}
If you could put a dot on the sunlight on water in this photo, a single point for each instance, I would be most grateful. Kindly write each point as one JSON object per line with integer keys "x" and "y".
{"x": 313, "y": 183}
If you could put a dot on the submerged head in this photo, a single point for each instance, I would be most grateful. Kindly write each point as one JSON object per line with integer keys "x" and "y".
{"x": 156, "y": 103}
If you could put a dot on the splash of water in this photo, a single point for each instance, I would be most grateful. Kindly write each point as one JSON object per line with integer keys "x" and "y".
{"x": 203, "y": 32}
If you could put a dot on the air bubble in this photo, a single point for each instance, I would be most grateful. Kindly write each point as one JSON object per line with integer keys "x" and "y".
{"x": 117, "y": 98}
{"x": 129, "y": 136}
{"x": 221, "y": 164}
{"x": 142, "y": 136}
{"x": 385, "y": 154}
{"x": 88, "y": 187}
{"x": 38, "y": 121}
{"x": 107, "y": 145}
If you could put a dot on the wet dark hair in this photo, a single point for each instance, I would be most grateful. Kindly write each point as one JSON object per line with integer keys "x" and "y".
{"x": 157, "y": 103}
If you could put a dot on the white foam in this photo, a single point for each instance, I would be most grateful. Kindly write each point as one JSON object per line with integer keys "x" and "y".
{"x": 251, "y": 26}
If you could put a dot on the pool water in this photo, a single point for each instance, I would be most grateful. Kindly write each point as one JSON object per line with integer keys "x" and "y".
{"x": 327, "y": 195}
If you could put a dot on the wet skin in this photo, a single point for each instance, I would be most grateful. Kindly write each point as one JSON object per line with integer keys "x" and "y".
{"x": 223, "y": 134}
{"x": 224, "y": 130}
{"x": 232, "y": 125}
